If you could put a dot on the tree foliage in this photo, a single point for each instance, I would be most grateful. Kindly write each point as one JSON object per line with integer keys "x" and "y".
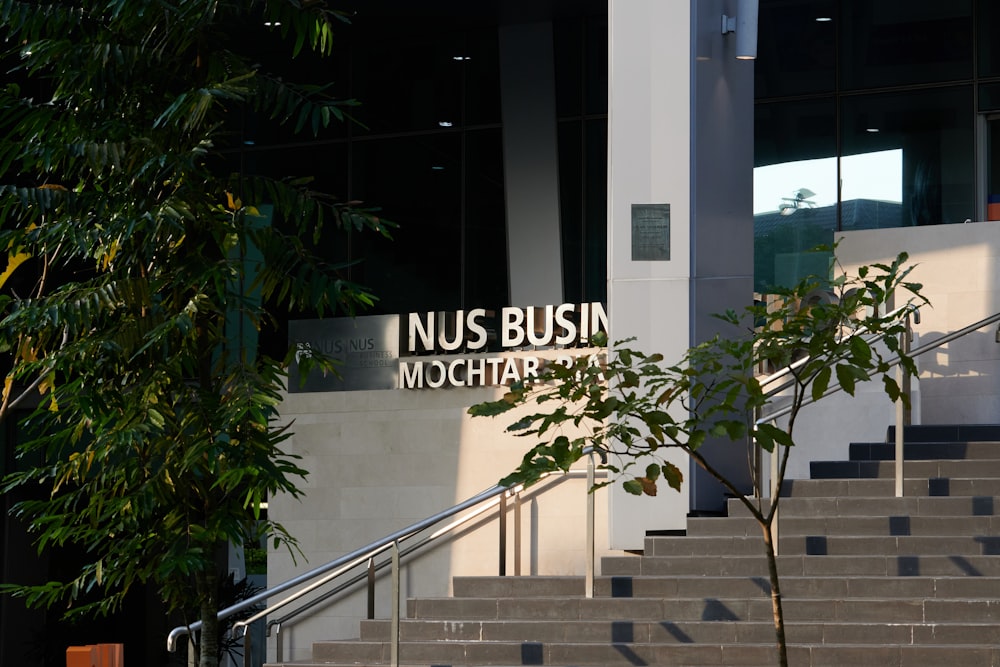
{"x": 631, "y": 407}
{"x": 136, "y": 265}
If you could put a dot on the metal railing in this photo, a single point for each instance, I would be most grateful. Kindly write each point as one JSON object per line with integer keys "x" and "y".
{"x": 324, "y": 575}
{"x": 901, "y": 417}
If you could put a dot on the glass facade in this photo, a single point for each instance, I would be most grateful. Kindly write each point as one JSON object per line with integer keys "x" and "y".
{"x": 427, "y": 150}
{"x": 869, "y": 115}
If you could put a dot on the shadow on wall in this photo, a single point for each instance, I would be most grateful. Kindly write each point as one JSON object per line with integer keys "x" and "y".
{"x": 960, "y": 381}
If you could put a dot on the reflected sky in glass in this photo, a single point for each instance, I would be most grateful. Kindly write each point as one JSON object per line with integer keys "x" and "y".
{"x": 877, "y": 176}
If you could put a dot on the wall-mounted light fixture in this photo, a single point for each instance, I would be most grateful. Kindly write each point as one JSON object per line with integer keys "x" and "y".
{"x": 744, "y": 24}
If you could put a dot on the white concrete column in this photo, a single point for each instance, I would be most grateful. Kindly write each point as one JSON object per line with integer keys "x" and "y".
{"x": 649, "y": 118}
{"x": 680, "y": 133}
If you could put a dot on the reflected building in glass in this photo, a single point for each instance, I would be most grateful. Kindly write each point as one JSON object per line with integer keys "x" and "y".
{"x": 885, "y": 111}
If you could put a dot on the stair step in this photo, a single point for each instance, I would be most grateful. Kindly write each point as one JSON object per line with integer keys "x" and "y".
{"x": 885, "y": 488}
{"x": 946, "y": 433}
{"x": 685, "y": 632}
{"x": 805, "y": 565}
{"x": 506, "y": 587}
{"x": 848, "y": 526}
{"x": 823, "y": 545}
{"x": 912, "y": 610}
{"x": 851, "y": 506}
{"x": 917, "y": 451}
{"x": 832, "y": 586}
{"x": 812, "y": 586}
{"x": 932, "y": 469}
{"x": 428, "y": 654}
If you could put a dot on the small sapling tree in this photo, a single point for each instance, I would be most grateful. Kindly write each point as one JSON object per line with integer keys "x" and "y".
{"x": 631, "y": 407}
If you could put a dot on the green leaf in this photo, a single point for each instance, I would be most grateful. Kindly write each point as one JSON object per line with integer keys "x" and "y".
{"x": 672, "y": 475}
{"x": 821, "y": 382}
{"x": 633, "y": 487}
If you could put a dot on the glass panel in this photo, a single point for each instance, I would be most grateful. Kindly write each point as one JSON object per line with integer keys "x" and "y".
{"x": 596, "y": 211}
{"x": 567, "y": 40}
{"x": 485, "y": 257}
{"x": 581, "y": 59}
{"x": 993, "y": 168}
{"x": 795, "y": 190}
{"x": 989, "y": 97}
{"x": 595, "y": 74}
{"x": 409, "y": 79}
{"x": 900, "y": 42}
{"x": 908, "y": 158}
{"x": 417, "y": 183}
{"x": 583, "y": 207}
{"x": 796, "y": 48}
{"x": 482, "y": 77}
{"x": 571, "y": 216}
{"x": 987, "y": 20}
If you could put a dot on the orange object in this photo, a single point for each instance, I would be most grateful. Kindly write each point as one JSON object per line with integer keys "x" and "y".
{"x": 96, "y": 655}
{"x": 81, "y": 656}
{"x": 993, "y": 207}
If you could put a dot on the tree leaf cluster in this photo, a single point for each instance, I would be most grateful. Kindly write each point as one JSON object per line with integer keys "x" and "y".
{"x": 826, "y": 333}
{"x": 135, "y": 268}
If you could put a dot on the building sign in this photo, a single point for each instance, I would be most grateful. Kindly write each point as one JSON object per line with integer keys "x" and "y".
{"x": 433, "y": 350}
{"x": 650, "y": 232}
{"x": 366, "y": 349}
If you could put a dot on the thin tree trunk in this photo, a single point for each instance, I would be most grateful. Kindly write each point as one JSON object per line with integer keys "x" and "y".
{"x": 208, "y": 594}
{"x": 779, "y": 615}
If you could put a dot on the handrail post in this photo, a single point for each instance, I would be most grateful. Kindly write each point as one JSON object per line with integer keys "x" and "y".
{"x": 517, "y": 534}
{"x": 503, "y": 534}
{"x": 192, "y": 652}
{"x": 758, "y": 471}
{"x": 279, "y": 644}
{"x": 901, "y": 420}
{"x": 589, "y": 581}
{"x": 371, "y": 588}
{"x": 775, "y": 492}
{"x": 247, "y": 647}
{"x": 395, "y": 605}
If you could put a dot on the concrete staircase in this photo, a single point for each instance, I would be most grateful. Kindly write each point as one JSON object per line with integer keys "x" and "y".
{"x": 867, "y": 579}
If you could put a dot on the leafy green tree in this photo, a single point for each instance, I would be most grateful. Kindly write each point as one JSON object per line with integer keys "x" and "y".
{"x": 138, "y": 271}
{"x": 632, "y": 408}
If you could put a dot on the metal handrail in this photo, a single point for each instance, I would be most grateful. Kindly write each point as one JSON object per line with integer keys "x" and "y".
{"x": 916, "y": 352}
{"x": 474, "y": 514}
{"x": 899, "y": 417}
{"x": 341, "y": 565}
{"x": 902, "y": 311}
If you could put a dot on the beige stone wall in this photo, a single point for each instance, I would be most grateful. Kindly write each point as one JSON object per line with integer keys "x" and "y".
{"x": 382, "y": 460}
{"x": 959, "y": 266}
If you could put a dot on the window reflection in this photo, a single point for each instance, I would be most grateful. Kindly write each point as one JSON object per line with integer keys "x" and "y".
{"x": 902, "y": 42}
{"x": 795, "y": 190}
{"x": 933, "y": 129}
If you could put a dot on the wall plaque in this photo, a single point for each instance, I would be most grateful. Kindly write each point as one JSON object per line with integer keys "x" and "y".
{"x": 650, "y": 232}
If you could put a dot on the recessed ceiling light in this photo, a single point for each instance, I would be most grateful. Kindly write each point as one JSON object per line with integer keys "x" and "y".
{"x": 445, "y": 123}
{"x": 873, "y": 130}
{"x": 437, "y": 168}
{"x": 823, "y": 19}
{"x": 461, "y": 58}
{"x": 272, "y": 23}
